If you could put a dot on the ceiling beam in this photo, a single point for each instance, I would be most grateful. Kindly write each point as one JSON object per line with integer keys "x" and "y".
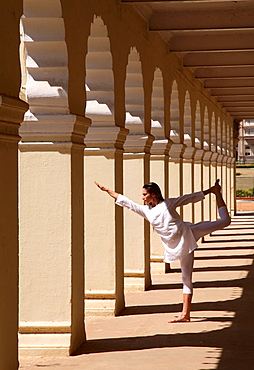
{"x": 224, "y": 72}
{"x": 215, "y": 38}
{"x": 209, "y": 41}
{"x": 203, "y": 19}
{"x": 229, "y": 82}
{"x": 222, "y": 58}
{"x": 237, "y": 109}
{"x": 240, "y": 104}
{"x": 222, "y": 91}
{"x": 236, "y": 98}
{"x": 177, "y": 1}
{"x": 244, "y": 116}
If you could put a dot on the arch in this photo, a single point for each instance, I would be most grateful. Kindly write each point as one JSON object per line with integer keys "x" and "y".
{"x": 157, "y": 114}
{"x": 188, "y": 132}
{"x": 99, "y": 76}
{"x": 198, "y": 126}
{"x": 175, "y": 131}
{"x": 134, "y": 94}
{"x": 52, "y": 151}
{"x": 45, "y": 73}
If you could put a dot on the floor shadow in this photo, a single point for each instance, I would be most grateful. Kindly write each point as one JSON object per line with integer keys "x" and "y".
{"x": 231, "y": 248}
{"x": 236, "y": 341}
{"x": 232, "y": 235}
{"x": 221, "y": 268}
{"x": 220, "y": 241}
{"x": 199, "y": 284}
{"x": 201, "y": 258}
{"x": 242, "y": 213}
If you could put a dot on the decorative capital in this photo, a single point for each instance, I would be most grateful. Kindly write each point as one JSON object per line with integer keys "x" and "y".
{"x": 12, "y": 111}
{"x": 189, "y": 153}
{"x": 161, "y": 146}
{"x": 54, "y": 128}
{"x": 207, "y": 156}
{"x": 220, "y": 158}
{"x": 176, "y": 150}
{"x": 230, "y": 160}
{"x": 199, "y": 155}
{"x": 138, "y": 142}
{"x": 214, "y": 157}
{"x": 105, "y": 137}
{"x": 225, "y": 159}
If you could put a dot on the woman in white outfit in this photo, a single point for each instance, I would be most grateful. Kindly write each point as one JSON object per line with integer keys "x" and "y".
{"x": 178, "y": 237}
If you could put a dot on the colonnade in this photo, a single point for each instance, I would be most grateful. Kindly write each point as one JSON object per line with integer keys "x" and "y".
{"x": 122, "y": 114}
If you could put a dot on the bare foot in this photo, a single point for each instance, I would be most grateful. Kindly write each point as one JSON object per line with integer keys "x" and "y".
{"x": 216, "y": 189}
{"x": 181, "y": 318}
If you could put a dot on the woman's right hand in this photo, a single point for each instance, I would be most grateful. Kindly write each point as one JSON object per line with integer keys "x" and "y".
{"x": 112, "y": 193}
{"x": 103, "y": 188}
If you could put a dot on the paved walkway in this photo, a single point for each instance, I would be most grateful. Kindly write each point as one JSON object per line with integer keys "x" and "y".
{"x": 220, "y": 335}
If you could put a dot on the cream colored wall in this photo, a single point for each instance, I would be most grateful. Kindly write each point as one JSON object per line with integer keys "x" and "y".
{"x": 198, "y": 185}
{"x": 148, "y": 46}
{"x": 120, "y": 76}
{"x": 136, "y": 260}
{"x": 51, "y": 191}
{"x": 51, "y": 248}
{"x": 46, "y": 189}
{"x": 103, "y": 236}
{"x": 51, "y": 176}
{"x": 158, "y": 174}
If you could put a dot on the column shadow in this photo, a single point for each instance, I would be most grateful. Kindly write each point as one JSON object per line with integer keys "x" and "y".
{"x": 236, "y": 341}
{"x": 234, "y": 344}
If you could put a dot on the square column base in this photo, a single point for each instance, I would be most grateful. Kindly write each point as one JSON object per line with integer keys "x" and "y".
{"x": 100, "y": 307}
{"x": 45, "y": 344}
{"x": 157, "y": 265}
{"x": 134, "y": 284}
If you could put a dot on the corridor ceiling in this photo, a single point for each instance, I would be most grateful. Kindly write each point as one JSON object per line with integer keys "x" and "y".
{"x": 215, "y": 39}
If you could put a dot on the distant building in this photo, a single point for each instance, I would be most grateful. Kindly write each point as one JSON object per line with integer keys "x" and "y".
{"x": 245, "y": 150}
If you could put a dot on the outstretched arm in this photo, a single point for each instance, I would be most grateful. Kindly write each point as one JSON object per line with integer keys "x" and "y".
{"x": 112, "y": 193}
{"x": 123, "y": 201}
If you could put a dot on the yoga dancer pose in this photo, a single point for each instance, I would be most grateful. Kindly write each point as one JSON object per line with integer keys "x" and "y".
{"x": 178, "y": 237}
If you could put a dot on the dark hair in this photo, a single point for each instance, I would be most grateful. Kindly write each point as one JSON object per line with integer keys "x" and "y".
{"x": 153, "y": 188}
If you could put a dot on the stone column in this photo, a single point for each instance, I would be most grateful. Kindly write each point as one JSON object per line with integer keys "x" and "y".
{"x": 52, "y": 234}
{"x": 229, "y": 184}
{"x": 224, "y": 178}
{"x": 159, "y": 174}
{"x": 136, "y": 230}
{"x": 207, "y": 184}
{"x": 188, "y": 181}
{"x": 175, "y": 170}
{"x": 198, "y": 184}
{"x": 233, "y": 187}
{"x": 104, "y": 271}
{"x": 214, "y": 212}
{"x": 219, "y": 168}
{"x": 11, "y": 114}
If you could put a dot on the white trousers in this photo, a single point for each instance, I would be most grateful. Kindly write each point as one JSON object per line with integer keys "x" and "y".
{"x": 199, "y": 230}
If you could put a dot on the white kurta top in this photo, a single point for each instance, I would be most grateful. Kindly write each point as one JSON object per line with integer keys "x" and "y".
{"x": 176, "y": 235}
